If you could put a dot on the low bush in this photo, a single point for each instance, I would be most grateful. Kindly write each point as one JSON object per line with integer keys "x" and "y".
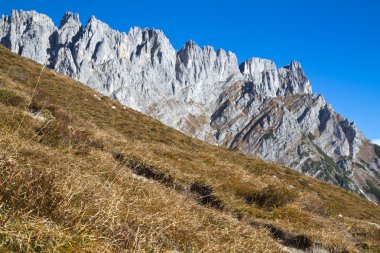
{"x": 8, "y": 97}
{"x": 271, "y": 197}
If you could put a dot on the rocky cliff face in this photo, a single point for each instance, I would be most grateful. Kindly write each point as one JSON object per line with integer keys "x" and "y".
{"x": 255, "y": 108}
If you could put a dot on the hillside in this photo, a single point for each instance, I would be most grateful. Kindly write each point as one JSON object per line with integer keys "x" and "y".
{"x": 256, "y": 107}
{"x": 82, "y": 173}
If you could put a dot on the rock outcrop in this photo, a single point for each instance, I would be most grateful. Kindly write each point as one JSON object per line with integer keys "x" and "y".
{"x": 255, "y": 108}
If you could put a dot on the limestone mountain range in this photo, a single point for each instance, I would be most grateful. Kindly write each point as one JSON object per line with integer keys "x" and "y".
{"x": 255, "y": 107}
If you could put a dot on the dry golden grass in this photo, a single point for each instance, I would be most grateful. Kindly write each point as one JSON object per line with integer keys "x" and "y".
{"x": 77, "y": 175}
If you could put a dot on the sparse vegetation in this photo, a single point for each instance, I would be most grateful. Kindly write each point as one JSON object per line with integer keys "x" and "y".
{"x": 374, "y": 189}
{"x": 269, "y": 135}
{"x": 342, "y": 181}
{"x": 377, "y": 150}
{"x": 311, "y": 137}
{"x": 272, "y": 197}
{"x": 9, "y": 97}
{"x": 90, "y": 178}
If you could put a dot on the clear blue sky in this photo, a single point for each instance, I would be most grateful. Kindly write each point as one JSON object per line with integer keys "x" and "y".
{"x": 337, "y": 42}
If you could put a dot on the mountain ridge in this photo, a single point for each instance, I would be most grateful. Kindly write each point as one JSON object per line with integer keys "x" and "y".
{"x": 81, "y": 172}
{"x": 253, "y": 107}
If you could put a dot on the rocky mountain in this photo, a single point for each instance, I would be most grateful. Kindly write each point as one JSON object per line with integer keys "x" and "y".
{"x": 255, "y": 107}
{"x": 80, "y": 172}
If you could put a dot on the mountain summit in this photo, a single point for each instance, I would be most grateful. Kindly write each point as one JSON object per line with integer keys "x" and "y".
{"x": 255, "y": 108}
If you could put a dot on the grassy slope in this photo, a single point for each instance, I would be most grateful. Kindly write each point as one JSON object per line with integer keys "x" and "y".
{"x": 83, "y": 176}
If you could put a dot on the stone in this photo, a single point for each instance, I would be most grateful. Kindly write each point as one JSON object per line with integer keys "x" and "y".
{"x": 255, "y": 107}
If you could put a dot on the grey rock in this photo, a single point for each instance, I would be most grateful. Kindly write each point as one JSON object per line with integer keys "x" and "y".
{"x": 29, "y": 34}
{"x": 270, "y": 81}
{"x": 256, "y": 108}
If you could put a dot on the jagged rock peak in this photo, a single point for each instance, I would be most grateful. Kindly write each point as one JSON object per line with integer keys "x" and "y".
{"x": 92, "y": 19}
{"x": 30, "y": 15}
{"x": 293, "y": 65}
{"x": 270, "y": 81}
{"x": 296, "y": 68}
{"x": 69, "y": 17}
{"x": 93, "y": 24}
{"x": 190, "y": 44}
{"x": 5, "y": 18}
{"x": 255, "y": 64}
{"x": 196, "y": 65}
{"x": 154, "y": 33}
{"x": 194, "y": 47}
{"x": 293, "y": 79}
{"x": 69, "y": 28}
{"x": 148, "y": 34}
{"x": 263, "y": 74}
{"x": 28, "y": 33}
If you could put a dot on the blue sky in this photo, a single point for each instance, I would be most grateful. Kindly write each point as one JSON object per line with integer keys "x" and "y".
{"x": 336, "y": 41}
